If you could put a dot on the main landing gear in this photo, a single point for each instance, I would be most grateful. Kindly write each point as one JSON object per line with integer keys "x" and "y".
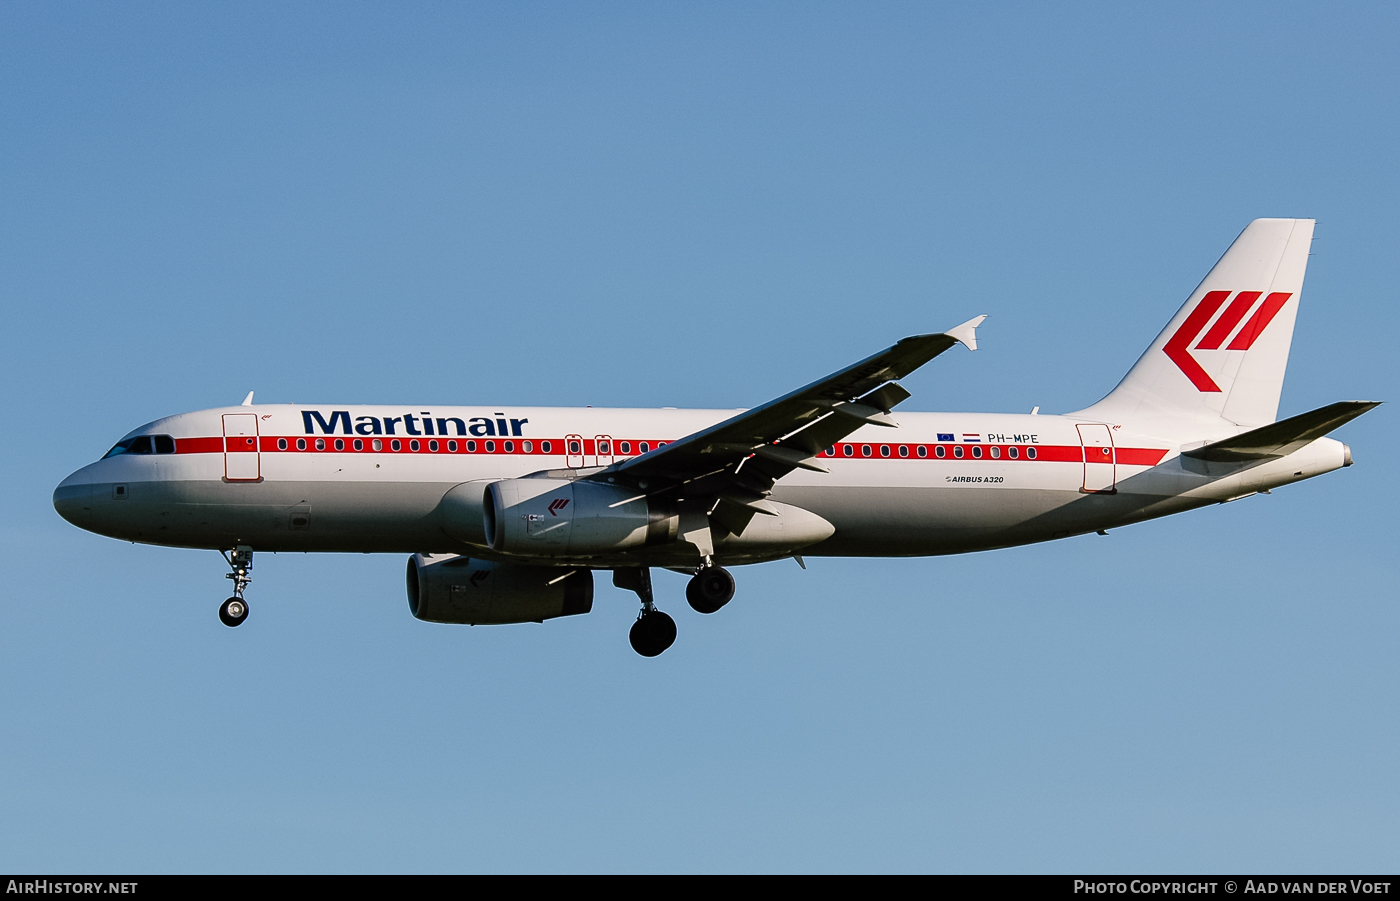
{"x": 235, "y": 610}
{"x": 654, "y": 631}
{"x": 710, "y": 589}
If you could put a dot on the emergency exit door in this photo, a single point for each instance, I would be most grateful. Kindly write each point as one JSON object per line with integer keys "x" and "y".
{"x": 241, "y": 462}
{"x": 1100, "y": 460}
{"x": 603, "y": 447}
{"x": 573, "y": 451}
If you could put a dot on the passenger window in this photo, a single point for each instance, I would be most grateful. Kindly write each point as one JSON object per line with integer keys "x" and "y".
{"x": 958, "y": 451}
{"x": 376, "y": 444}
{"x": 884, "y": 450}
{"x": 977, "y": 452}
{"x": 545, "y": 447}
{"x": 1012, "y": 452}
{"x": 359, "y": 444}
{"x": 865, "y": 450}
{"x": 923, "y": 451}
{"x": 643, "y": 447}
{"x": 281, "y": 443}
{"x": 452, "y": 447}
{"x": 996, "y": 452}
{"x": 904, "y": 450}
{"x": 432, "y": 446}
{"x": 396, "y": 444}
{"x": 413, "y": 445}
{"x": 847, "y": 450}
{"x": 490, "y": 447}
{"x": 301, "y": 444}
{"x": 527, "y": 446}
{"x": 510, "y": 447}
{"x": 1030, "y": 453}
{"x": 574, "y": 447}
{"x": 165, "y": 444}
{"x": 940, "y": 451}
{"x": 340, "y": 444}
{"x": 471, "y": 447}
{"x": 625, "y": 447}
{"x": 320, "y": 444}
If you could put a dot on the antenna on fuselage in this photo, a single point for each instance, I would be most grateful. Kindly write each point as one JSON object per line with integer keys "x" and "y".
{"x": 247, "y": 401}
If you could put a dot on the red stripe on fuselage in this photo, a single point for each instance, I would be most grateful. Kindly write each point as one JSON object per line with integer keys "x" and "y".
{"x": 971, "y": 453}
{"x": 199, "y": 445}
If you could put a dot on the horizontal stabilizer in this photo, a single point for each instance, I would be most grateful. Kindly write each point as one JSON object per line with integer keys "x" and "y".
{"x": 1282, "y": 438}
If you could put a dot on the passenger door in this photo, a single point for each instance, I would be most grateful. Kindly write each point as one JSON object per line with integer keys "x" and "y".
{"x": 241, "y": 460}
{"x": 1100, "y": 460}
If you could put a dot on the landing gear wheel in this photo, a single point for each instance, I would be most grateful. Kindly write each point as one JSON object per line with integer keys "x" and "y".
{"x": 233, "y": 612}
{"x": 711, "y": 589}
{"x": 652, "y": 633}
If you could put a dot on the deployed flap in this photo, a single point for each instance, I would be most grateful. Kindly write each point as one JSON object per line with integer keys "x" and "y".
{"x": 1282, "y": 438}
{"x": 806, "y": 420}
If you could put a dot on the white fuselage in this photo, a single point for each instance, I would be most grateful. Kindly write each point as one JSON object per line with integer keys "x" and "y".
{"x": 373, "y": 479}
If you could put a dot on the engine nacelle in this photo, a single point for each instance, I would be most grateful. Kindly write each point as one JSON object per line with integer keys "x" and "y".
{"x": 460, "y": 512}
{"x": 447, "y": 588}
{"x": 560, "y": 517}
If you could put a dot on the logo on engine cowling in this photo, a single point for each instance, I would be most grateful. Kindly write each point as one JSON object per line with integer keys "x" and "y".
{"x": 558, "y": 505}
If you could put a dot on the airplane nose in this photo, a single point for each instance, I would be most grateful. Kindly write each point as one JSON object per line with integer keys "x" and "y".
{"x": 72, "y": 499}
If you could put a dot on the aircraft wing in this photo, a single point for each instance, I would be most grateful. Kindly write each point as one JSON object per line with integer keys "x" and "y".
{"x": 739, "y": 459}
{"x": 1278, "y": 439}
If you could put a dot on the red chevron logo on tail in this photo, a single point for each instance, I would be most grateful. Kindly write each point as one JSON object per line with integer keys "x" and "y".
{"x": 1178, "y": 346}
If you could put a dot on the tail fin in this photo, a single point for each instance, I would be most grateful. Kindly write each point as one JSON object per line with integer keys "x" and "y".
{"x": 1224, "y": 353}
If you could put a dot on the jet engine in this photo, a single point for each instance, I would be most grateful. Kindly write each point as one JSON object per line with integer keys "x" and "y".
{"x": 447, "y": 588}
{"x": 460, "y": 512}
{"x": 560, "y": 517}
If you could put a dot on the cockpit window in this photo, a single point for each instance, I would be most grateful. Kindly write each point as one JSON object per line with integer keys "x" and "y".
{"x": 143, "y": 444}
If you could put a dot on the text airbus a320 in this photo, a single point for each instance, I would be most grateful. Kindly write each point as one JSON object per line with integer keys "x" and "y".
{"x": 508, "y": 512}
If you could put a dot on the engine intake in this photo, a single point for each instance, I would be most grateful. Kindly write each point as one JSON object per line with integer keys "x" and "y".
{"x": 447, "y": 588}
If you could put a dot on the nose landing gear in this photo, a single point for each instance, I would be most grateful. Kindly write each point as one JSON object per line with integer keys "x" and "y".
{"x": 235, "y": 610}
{"x": 710, "y": 589}
{"x": 654, "y": 631}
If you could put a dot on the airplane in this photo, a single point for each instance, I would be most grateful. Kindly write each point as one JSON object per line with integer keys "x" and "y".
{"x": 508, "y": 511}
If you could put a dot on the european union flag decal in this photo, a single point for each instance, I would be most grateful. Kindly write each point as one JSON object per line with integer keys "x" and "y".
{"x": 945, "y": 436}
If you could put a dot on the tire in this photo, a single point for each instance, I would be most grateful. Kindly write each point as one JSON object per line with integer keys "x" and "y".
{"x": 233, "y": 612}
{"x": 711, "y": 589}
{"x": 652, "y": 633}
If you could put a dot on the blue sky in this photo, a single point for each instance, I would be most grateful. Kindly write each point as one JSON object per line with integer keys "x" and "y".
{"x": 654, "y": 205}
